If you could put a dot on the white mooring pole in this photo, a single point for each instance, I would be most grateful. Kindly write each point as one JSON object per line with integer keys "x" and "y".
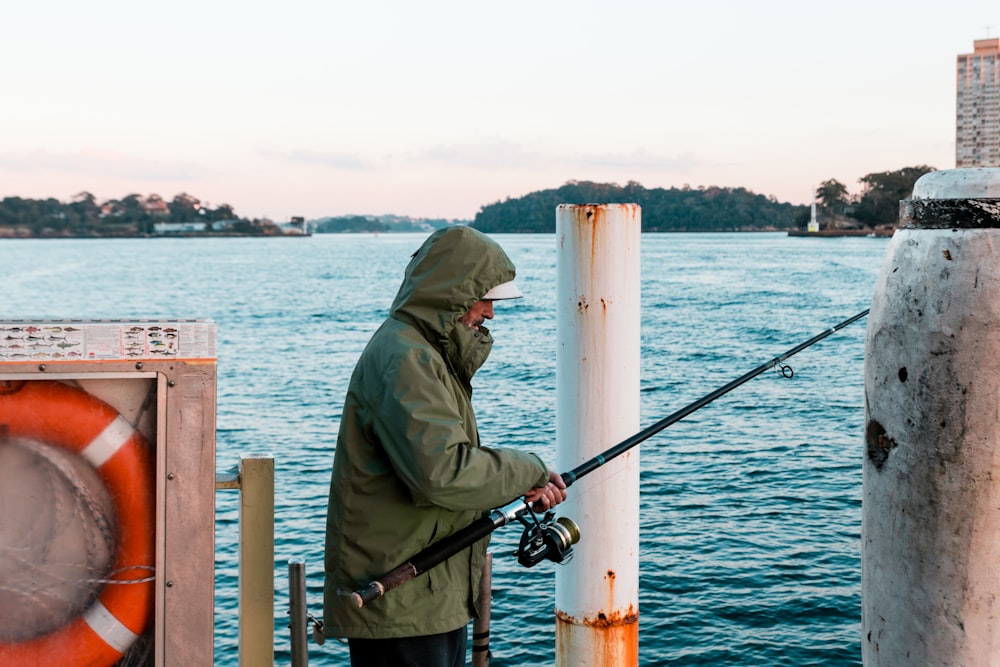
{"x": 930, "y": 567}
{"x": 597, "y": 395}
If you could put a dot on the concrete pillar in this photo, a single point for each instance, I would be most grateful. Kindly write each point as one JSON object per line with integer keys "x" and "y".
{"x": 597, "y": 375}
{"x": 931, "y": 483}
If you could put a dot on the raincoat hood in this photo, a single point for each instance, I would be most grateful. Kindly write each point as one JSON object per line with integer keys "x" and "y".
{"x": 453, "y": 269}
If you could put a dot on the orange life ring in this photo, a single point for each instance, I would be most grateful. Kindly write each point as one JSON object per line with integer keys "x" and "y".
{"x": 66, "y": 416}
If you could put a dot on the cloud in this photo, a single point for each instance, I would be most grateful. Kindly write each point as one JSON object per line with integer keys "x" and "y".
{"x": 485, "y": 155}
{"x": 509, "y": 155}
{"x": 640, "y": 159}
{"x": 491, "y": 155}
{"x": 93, "y": 162}
{"x": 349, "y": 162}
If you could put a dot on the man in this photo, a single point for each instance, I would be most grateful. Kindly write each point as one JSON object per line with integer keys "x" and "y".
{"x": 409, "y": 469}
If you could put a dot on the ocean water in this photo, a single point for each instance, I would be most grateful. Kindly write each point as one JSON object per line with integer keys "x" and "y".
{"x": 751, "y": 506}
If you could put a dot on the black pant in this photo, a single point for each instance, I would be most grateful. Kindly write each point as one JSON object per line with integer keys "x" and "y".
{"x": 444, "y": 650}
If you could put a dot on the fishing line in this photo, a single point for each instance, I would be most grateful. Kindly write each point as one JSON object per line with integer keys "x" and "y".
{"x": 782, "y": 370}
{"x": 645, "y": 434}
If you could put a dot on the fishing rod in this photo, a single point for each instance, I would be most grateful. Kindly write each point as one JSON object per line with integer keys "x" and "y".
{"x": 545, "y": 538}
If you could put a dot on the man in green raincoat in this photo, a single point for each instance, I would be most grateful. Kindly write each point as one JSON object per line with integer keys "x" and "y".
{"x": 409, "y": 469}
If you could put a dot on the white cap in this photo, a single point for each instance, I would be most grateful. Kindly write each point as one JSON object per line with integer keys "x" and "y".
{"x": 506, "y": 290}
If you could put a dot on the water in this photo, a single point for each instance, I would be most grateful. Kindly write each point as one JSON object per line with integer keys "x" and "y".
{"x": 750, "y": 507}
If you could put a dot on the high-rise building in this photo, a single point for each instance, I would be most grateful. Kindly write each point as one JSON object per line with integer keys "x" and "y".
{"x": 977, "y": 126}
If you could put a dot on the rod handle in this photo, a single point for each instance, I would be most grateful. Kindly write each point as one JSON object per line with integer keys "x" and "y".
{"x": 379, "y": 587}
{"x": 429, "y": 557}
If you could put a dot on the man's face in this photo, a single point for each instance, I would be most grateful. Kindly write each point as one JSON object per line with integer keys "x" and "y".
{"x": 481, "y": 311}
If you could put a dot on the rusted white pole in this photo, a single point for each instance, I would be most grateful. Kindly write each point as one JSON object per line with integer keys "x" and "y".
{"x": 597, "y": 375}
{"x": 930, "y": 567}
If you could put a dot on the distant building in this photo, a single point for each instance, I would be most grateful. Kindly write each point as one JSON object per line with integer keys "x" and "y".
{"x": 154, "y": 205}
{"x": 295, "y": 226}
{"x": 168, "y": 228}
{"x": 977, "y": 126}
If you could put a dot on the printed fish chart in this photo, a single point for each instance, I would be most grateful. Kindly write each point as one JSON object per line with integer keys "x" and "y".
{"x": 149, "y": 341}
{"x": 106, "y": 340}
{"x": 23, "y": 341}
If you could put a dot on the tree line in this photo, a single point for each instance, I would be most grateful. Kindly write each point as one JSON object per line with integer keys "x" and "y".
{"x": 663, "y": 210}
{"x": 876, "y": 204}
{"x": 685, "y": 209}
{"x": 708, "y": 209}
{"x": 354, "y": 224}
{"x": 132, "y": 215}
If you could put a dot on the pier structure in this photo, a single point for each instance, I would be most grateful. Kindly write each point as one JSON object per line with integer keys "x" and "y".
{"x": 122, "y": 410}
{"x": 597, "y": 394}
{"x": 931, "y": 477}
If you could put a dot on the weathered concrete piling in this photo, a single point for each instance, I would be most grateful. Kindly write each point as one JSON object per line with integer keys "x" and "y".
{"x": 931, "y": 483}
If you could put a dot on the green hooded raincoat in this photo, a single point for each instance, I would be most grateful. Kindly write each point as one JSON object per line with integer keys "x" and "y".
{"x": 408, "y": 468}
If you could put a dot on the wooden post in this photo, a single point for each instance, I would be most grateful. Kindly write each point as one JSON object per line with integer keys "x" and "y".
{"x": 256, "y": 604}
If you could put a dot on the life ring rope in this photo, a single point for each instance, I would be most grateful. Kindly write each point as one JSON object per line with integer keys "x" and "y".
{"x": 115, "y": 573}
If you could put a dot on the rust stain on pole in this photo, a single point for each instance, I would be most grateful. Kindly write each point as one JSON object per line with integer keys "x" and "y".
{"x": 613, "y": 636}
{"x": 594, "y": 217}
{"x": 603, "y": 620}
{"x": 596, "y": 214}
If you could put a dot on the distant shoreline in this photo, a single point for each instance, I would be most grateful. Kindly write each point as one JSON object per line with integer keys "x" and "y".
{"x": 200, "y": 235}
{"x": 831, "y": 233}
{"x": 823, "y": 233}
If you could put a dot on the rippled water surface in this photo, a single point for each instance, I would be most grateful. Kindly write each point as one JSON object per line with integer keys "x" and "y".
{"x": 750, "y": 507}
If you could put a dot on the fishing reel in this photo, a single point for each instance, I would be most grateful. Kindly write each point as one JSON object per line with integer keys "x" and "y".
{"x": 549, "y": 538}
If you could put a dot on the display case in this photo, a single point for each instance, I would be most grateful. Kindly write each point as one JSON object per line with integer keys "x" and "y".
{"x": 107, "y": 492}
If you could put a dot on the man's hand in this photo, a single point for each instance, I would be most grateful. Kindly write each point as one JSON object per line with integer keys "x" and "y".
{"x": 546, "y": 497}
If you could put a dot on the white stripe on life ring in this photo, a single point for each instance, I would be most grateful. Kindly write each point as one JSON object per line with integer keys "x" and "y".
{"x": 108, "y": 442}
{"x": 109, "y": 628}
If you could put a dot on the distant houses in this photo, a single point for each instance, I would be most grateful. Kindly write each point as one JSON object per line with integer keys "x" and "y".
{"x": 187, "y": 228}
{"x": 133, "y": 216}
{"x": 294, "y": 227}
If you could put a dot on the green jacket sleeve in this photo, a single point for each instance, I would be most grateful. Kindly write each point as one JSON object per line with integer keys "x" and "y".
{"x": 426, "y": 426}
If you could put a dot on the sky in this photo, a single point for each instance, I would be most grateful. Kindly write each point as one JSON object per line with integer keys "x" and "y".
{"x": 434, "y": 109}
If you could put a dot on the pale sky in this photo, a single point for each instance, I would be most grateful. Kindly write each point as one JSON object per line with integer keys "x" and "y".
{"x": 436, "y": 108}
